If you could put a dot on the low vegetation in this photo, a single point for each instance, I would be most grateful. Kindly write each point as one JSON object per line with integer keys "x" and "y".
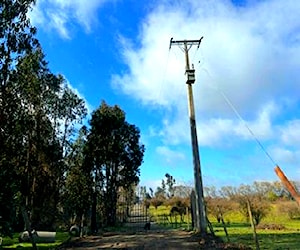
{"x": 275, "y": 214}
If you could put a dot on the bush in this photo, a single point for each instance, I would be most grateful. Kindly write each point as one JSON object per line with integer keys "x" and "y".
{"x": 156, "y": 202}
{"x": 218, "y": 207}
{"x": 259, "y": 207}
{"x": 290, "y": 208}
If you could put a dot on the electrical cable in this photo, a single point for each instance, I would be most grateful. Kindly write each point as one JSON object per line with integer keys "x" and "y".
{"x": 229, "y": 103}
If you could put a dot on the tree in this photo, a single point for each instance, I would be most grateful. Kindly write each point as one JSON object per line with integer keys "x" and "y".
{"x": 42, "y": 167}
{"x": 78, "y": 189}
{"x": 170, "y": 182}
{"x": 157, "y": 201}
{"x": 34, "y": 104}
{"x": 160, "y": 193}
{"x": 258, "y": 204}
{"x": 210, "y": 192}
{"x": 114, "y": 154}
{"x": 38, "y": 167}
{"x": 16, "y": 35}
{"x": 16, "y": 38}
{"x": 151, "y": 192}
{"x": 218, "y": 207}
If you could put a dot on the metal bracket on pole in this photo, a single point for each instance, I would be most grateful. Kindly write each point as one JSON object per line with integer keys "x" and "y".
{"x": 186, "y": 42}
{"x": 170, "y": 43}
{"x": 199, "y": 42}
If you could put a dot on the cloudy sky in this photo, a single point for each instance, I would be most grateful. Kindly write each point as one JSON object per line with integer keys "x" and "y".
{"x": 247, "y": 89}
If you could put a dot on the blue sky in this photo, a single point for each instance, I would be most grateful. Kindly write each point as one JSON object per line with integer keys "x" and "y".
{"x": 118, "y": 51}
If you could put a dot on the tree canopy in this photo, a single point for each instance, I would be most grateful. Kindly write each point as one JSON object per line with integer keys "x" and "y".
{"x": 38, "y": 112}
{"x": 114, "y": 155}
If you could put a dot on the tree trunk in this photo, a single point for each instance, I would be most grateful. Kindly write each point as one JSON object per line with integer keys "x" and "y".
{"x": 94, "y": 228}
{"x": 28, "y": 227}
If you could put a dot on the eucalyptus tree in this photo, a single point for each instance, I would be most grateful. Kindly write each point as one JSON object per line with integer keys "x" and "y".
{"x": 78, "y": 189}
{"x": 50, "y": 110}
{"x": 38, "y": 113}
{"x": 114, "y": 154}
{"x": 39, "y": 155}
{"x": 170, "y": 182}
{"x": 16, "y": 35}
{"x": 16, "y": 39}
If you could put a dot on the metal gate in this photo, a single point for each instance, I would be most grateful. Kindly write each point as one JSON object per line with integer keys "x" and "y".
{"x": 135, "y": 212}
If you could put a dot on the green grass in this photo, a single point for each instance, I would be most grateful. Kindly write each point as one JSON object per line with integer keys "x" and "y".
{"x": 268, "y": 239}
{"x": 238, "y": 228}
{"x": 13, "y": 243}
{"x": 161, "y": 216}
{"x": 240, "y": 231}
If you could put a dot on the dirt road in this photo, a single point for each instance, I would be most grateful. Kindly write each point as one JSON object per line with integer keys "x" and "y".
{"x": 138, "y": 238}
{"x": 158, "y": 238}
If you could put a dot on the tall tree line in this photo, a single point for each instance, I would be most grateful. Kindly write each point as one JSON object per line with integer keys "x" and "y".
{"x": 38, "y": 112}
{"x": 49, "y": 166}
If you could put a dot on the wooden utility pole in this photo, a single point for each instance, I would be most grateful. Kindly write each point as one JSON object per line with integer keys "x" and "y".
{"x": 200, "y": 220}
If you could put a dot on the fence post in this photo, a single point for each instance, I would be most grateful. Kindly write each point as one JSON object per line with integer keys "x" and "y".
{"x": 252, "y": 225}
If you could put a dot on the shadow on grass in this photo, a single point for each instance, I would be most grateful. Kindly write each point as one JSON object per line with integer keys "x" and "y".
{"x": 233, "y": 224}
{"x": 30, "y": 247}
{"x": 13, "y": 243}
{"x": 275, "y": 241}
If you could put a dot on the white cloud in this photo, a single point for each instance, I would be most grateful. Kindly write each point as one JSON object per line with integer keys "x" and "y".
{"x": 170, "y": 156}
{"x": 58, "y": 21}
{"x": 219, "y": 131}
{"x": 61, "y": 15}
{"x": 290, "y": 133}
{"x": 247, "y": 53}
{"x": 285, "y": 156}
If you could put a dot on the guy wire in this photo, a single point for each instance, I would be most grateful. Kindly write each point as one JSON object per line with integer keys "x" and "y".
{"x": 229, "y": 103}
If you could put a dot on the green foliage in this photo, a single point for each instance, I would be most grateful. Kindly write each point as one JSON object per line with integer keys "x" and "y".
{"x": 166, "y": 190}
{"x": 34, "y": 104}
{"x": 114, "y": 155}
{"x": 170, "y": 182}
{"x": 41, "y": 167}
{"x": 16, "y": 35}
{"x": 259, "y": 208}
{"x": 78, "y": 188}
{"x": 240, "y": 231}
{"x": 218, "y": 207}
{"x": 156, "y": 202}
{"x": 290, "y": 208}
{"x": 16, "y": 38}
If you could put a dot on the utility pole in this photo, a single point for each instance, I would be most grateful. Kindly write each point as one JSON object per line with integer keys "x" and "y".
{"x": 200, "y": 220}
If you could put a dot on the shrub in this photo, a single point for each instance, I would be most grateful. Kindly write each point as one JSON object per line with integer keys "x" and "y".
{"x": 156, "y": 202}
{"x": 290, "y": 208}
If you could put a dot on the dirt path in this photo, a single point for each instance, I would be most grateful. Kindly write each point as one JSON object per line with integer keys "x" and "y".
{"x": 137, "y": 238}
{"x": 158, "y": 238}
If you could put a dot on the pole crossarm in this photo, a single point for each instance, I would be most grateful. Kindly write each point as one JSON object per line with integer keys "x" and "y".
{"x": 186, "y": 42}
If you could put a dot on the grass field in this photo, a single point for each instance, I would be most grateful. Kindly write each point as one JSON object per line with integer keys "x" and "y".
{"x": 239, "y": 230}
{"x": 13, "y": 243}
{"x": 286, "y": 234}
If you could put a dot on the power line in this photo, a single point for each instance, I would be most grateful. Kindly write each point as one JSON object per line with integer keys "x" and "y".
{"x": 230, "y": 104}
